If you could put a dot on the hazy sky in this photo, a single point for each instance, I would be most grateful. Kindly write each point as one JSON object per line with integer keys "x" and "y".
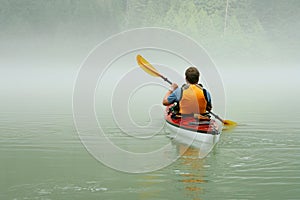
{"x": 41, "y": 32}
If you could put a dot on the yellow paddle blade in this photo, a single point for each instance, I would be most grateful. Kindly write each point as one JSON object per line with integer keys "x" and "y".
{"x": 146, "y": 66}
{"x": 229, "y": 123}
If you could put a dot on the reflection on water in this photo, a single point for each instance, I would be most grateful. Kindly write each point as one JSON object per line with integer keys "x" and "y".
{"x": 194, "y": 177}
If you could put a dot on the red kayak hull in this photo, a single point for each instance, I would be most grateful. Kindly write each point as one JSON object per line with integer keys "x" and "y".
{"x": 192, "y": 132}
{"x": 192, "y": 124}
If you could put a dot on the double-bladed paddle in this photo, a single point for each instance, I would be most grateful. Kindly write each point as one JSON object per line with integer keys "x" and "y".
{"x": 148, "y": 68}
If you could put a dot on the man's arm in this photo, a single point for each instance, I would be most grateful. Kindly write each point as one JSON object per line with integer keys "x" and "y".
{"x": 208, "y": 100}
{"x": 166, "y": 99}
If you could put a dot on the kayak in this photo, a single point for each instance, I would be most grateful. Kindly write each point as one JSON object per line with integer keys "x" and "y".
{"x": 192, "y": 131}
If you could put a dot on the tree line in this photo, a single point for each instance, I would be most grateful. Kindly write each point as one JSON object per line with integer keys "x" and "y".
{"x": 243, "y": 25}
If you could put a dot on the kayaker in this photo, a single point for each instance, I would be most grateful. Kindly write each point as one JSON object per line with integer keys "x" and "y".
{"x": 192, "y": 98}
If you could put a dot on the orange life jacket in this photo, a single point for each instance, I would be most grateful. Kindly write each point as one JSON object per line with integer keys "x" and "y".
{"x": 192, "y": 100}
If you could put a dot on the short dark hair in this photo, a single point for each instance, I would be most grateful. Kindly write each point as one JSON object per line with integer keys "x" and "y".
{"x": 192, "y": 75}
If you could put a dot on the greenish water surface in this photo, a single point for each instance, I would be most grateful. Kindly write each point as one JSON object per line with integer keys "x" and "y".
{"x": 41, "y": 156}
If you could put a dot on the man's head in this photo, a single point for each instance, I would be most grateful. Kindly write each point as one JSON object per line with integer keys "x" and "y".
{"x": 192, "y": 75}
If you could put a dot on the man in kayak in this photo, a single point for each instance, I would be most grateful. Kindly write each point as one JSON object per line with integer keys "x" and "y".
{"x": 192, "y": 98}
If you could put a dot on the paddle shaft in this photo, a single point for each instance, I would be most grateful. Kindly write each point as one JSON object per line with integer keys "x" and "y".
{"x": 166, "y": 79}
{"x": 217, "y": 117}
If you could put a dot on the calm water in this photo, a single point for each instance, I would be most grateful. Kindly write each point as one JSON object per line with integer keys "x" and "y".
{"x": 42, "y": 157}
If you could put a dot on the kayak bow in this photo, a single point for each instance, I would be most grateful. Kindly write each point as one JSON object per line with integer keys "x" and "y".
{"x": 188, "y": 130}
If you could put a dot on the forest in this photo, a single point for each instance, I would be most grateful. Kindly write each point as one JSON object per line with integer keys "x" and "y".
{"x": 241, "y": 28}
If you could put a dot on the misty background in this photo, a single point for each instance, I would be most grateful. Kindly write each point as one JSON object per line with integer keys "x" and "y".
{"x": 43, "y": 43}
{"x": 255, "y": 46}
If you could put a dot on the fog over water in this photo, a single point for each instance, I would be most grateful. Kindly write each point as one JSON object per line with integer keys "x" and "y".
{"x": 43, "y": 44}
